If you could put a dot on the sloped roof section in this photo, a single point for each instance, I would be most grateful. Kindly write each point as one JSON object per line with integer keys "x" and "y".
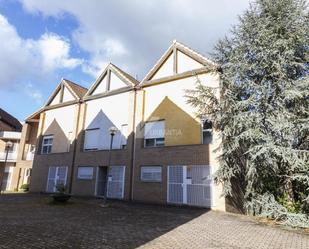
{"x": 75, "y": 91}
{"x": 105, "y": 78}
{"x": 79, "y": 90}
{"x": 10, "y": 120}
{"x": 170, "y": 56}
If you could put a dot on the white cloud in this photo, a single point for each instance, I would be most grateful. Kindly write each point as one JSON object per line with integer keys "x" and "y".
{"x": 34, "y": 93}
{"x": 134, "y": 34}
{"x": 27, "y": 58}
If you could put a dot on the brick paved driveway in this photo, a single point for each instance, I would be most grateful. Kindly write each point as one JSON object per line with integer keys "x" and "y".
{"x": 30, "y": 221}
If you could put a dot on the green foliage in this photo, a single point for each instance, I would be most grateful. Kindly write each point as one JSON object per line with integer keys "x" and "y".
{"x": 263, "y": 110}
{"x": 60, "y": 188}
{"x": 25, "y": 187}
{"x": 292, "y": 207}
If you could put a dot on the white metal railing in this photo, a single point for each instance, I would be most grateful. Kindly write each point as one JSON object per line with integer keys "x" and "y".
{"x": 30, "y": 156}
{"x": 10, "y": 134}
{"x": 12, "y": 156}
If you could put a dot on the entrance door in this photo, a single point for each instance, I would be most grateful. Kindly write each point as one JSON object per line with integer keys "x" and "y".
{"x": 56, "y": 175}
{"x": 6, "y": 178}
{"x": 189, "y": 185}
{"x": 101, "y": 180}
{"x": 115, "y": 184}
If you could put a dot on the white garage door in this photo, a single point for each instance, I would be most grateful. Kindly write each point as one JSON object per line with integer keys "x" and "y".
{"x": 189, "y": 185}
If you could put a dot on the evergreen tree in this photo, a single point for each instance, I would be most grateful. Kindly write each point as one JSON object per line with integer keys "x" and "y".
{"x": 263, "y": 111}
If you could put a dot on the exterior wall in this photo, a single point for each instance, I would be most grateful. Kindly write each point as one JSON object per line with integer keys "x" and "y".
{"x": 165, "y": 156}
{"x": 24, "y": 157}
{"x": 183, "y": 136}
{"x": 61, "y": 122}
{"x": 167, "y": 101}
{"x": 103, "y": 113}
{"x": 106, "y": 112}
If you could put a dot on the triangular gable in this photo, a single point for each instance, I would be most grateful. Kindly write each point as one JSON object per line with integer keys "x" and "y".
{"x": 63, "y": 93}
{"x": 67, "y": 95}
{"x": 177, "y": 59}
{"x": 112, "y": 78}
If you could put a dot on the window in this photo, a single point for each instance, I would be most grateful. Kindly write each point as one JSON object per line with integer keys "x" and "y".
{"x": 151, "y": 174}
{"x": 28, "y": 172}
{"x": 124, "y": 135}
{"x": 91, "y": 139}
{"x": 207, "y": 131}
{"x": 47, "y": 144}
{"x": 154, "y": 134}
{"x": 85, "y": 173}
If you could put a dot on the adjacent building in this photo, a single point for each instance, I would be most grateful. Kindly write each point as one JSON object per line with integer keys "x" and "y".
{"x": 11, "y": 177}
{"x": 161, "y": 153}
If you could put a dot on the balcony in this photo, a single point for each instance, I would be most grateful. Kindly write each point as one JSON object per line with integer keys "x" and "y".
{"x": 30, "y": 156}
{"x": 10, "y": 135}
{"x": 12, "y": 156}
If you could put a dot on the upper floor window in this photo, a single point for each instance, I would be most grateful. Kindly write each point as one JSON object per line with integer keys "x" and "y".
{"x": 92, "y": 139}
{"x": 154, "y": 134}
{"x": 124, "y": 136}
{"x": 47, "y": 144}
{"x": 207, "y": 131}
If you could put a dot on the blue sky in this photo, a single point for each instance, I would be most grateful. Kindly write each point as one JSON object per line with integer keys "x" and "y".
{"x": 44, "y": 41}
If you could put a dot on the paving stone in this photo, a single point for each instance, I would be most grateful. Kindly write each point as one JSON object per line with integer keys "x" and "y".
{"x": 31, "y": 221}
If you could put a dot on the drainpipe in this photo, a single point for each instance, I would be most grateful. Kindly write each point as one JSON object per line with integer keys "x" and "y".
{"x": 74, "y": 148}
{"x": 133, "y": 146}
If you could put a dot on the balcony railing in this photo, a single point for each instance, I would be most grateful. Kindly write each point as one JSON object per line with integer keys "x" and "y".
{"x": 10, "y": 135}
{"x": 30, "y": 156}
{"x": 12, "y": 156}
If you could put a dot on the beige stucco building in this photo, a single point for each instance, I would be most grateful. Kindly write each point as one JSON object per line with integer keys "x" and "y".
{"x": 162, "y": 152}
{"x": 17, "y": 146}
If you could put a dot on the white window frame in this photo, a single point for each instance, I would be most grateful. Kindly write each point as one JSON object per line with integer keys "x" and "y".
{"x": 205, "y": 130}
{"x": 158, "y": 141}
{"x": 124, "y": 136}
{"x": 47, "y": 137}
{"x": 85, "y": 177}
{"x": 152, "y": 171}
{"x": 90, "y": 149}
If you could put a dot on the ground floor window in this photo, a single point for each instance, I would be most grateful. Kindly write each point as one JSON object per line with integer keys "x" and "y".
{"x": 151, "y": 173}
{"x": 85, "y": 173}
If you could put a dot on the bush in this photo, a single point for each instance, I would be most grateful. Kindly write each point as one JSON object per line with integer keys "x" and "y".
{"x": 25, "y": 187}
{"x": 61, "y": 188}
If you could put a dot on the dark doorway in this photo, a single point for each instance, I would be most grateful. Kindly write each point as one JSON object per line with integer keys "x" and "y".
{"x": 101, "y": 181}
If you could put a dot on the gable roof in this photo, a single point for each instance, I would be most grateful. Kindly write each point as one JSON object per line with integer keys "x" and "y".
{"x": 127, "y": 79}
{"x": 172, "y": 50}
{"x": 79, "y": 90}
{"x": 76, "y": 90}
{"x": 10, "y": 120}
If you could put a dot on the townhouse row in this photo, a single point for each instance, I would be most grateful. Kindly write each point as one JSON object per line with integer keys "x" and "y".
{"x": 161, "y": 151}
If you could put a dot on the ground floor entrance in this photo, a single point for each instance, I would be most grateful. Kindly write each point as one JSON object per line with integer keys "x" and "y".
{"x": 189, "y": 184}
{"x": 56, "y": 175}
{"x": 115, "y": 181}
{"x": 7, "y": 178}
